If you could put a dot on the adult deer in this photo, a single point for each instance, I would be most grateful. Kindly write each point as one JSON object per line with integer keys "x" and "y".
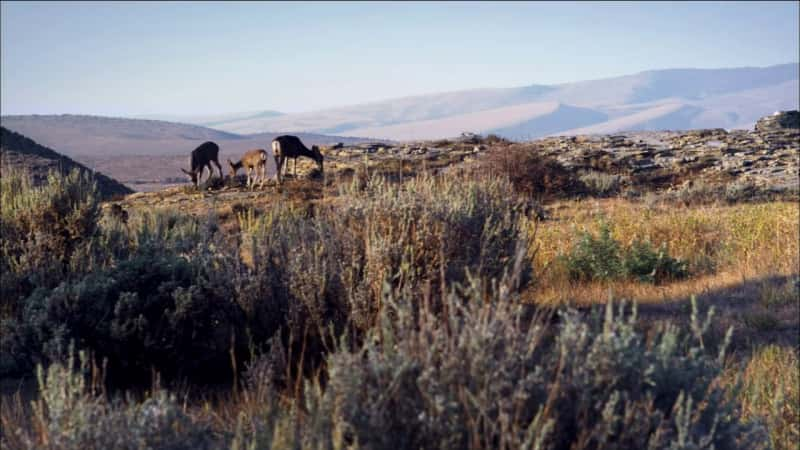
{"x": 253, "y": 161}
{"x": 285, "y": 146}
{"x": 201, "y": 158}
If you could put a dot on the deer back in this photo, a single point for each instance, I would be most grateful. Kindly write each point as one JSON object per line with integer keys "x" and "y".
{"x": 202, "y": 155}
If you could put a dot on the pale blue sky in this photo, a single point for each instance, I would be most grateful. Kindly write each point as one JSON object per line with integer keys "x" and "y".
{"x": 200, "y": 58}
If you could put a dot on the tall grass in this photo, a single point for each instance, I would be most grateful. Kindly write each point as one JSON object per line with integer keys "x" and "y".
{"x": 770, "y": 393}
{"x": 741, "y": 240}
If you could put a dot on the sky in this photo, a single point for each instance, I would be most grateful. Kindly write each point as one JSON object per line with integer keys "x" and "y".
{"x": 148, "y": 58}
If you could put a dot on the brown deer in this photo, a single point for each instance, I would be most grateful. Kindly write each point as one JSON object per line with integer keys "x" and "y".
{"x": 253, "y": 161}
{"x": 284, "y": 147}
{"x": 201, "y": 158}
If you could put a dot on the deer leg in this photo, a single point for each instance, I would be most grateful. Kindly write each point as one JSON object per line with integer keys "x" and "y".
{"x": 279, "y": 163}
{"x": 210, "y": 172}
{"x": 218, "y": 168}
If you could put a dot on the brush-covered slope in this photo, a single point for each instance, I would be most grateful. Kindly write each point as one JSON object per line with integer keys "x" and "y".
{"x": 17, "y": 151}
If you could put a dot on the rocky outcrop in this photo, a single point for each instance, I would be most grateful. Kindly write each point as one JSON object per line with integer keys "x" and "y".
{"x": 779, "y": 121}
{"x": 765, "y": 158}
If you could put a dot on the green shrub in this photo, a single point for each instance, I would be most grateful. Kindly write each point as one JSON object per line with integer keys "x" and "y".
{"x": 603, "y": 258}
{"x": 151, "y": 311}
{"x": 643, "y": 263}
{"x": 595, "y": 258}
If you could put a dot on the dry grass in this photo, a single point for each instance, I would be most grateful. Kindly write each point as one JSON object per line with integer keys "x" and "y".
{"x": 725, "y": 245}
{"x": 770, "y": 392}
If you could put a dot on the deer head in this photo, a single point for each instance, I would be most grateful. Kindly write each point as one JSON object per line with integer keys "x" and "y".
{"x": 234, "y": 167}
{"x": 192, "y": 175}
{"x": 318, "y": 157}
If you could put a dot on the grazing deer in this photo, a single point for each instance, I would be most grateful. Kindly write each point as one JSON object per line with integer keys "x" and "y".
{"x": 202, "y": 157}
{"x": 290, "y": 147}
{"x": 252, "y": 161}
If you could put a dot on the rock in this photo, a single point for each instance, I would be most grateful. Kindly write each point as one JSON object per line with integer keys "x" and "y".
{"x": 779, "y": 120}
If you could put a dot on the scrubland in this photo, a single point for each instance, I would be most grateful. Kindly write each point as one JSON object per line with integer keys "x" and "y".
{"x": 485, "y": 306}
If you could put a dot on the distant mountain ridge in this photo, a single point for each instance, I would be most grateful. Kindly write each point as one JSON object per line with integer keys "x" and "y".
{"x": 656, "y": 99}
{"x": 21, "y": 152}
{"x": 208, "y": 120}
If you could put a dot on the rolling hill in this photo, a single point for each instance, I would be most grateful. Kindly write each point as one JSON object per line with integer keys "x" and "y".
{"x": 20, "y": 152}
{"x": 97, "y": 136}
{"x": 659, "y": 99}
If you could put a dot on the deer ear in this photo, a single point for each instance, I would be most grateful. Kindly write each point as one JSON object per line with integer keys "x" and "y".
{"x": 186, "y": 171}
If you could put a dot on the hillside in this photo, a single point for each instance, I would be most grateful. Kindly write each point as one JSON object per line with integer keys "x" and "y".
{"x": 79, "y": 136}
{"x": 20, "y": 152}
{"x": 675, "y": 99}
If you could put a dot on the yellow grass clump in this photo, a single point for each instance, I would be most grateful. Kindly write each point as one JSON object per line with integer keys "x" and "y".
{"x": 723, "y": 245}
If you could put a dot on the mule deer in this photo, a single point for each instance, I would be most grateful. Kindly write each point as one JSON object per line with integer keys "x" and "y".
{"x": 284, "y": 147}
{"x": 253, "y": 161}
{"x": 201, "y": 158}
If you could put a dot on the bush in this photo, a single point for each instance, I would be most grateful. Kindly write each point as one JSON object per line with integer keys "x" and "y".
{"x": 643, "y": 263}
{"x": 602, "y": 258}
{"x": 532, "y": 173}
{"x": 482, "y": 376}
{"x": 595, "y": 258}
{"x": 601, "y": 184}
{"x": 485, "y": 377}
{"x": 150, "y": 311}
{"x": 69, "y": 415}
{"x": 47, "y": 231}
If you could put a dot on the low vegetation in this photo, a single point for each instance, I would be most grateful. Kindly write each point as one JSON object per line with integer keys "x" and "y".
{"x": 471, "y": 309}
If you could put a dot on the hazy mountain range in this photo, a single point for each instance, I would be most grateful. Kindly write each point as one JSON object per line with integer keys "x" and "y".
{"x": 658, "y": 99}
